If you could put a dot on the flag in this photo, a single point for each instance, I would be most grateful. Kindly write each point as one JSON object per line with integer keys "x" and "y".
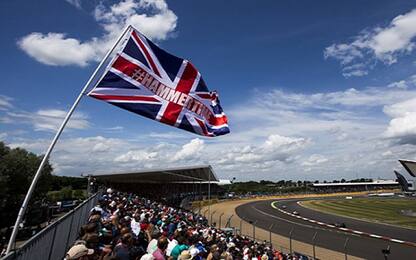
{"x": 146, "y": 80}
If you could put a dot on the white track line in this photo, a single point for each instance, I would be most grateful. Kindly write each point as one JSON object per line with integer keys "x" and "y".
{"x": 343, "y": 229}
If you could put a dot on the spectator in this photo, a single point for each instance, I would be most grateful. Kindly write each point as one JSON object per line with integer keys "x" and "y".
{"x": 177, "y": 250}
{"x": 160, "y": 253}
{"x": 127, "y": 227}
{"x": 122, "y": 249}
{"x": 79, "y": 252}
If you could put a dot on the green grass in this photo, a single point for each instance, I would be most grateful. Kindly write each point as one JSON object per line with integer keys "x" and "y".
{"x": 380, "y": 210}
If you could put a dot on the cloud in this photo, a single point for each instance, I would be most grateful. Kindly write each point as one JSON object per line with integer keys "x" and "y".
{"x": 114, "y": 129}
{"x": 76, "y": 3}
{"x": 189, "y": 150}
{"x": 384, "y": 44}
{"x": 157, "y": 25}
{"x": 49, "y": 119}
{"x": 73, "y": 156}
{"x": 137, "y": 156}
{"x": 56, "y": 49}
{"x": 314, "y": 159}
{"x": 5, "y": 102}
{"x": 322, "y": 135}
{"x": 402, "y": 126}
{"x": 41, "y": 120}
{"x": 3, "y": 136}
{"x": 151, "y": 17}
{"x": 345, "y": 127}
{"x": 275, "y": 149}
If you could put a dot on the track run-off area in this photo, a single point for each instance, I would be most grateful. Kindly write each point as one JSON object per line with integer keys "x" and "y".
{"x": 359, "y": 238}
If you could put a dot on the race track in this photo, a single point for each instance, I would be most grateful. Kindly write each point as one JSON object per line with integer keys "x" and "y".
{"x": 263, "y": 214}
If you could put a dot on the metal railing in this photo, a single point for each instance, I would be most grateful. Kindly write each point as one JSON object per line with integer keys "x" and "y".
{"x": 54, "y": 240}
{"x": 247, "y": 228}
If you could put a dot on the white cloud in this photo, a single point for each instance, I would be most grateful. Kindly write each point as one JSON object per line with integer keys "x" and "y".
{"x": 76, "y": 3}
{"x": 402, "y": 127}
{"x": 288, "y": 136}
{"x": 3, "y": 136}
{"x": 383, "y": 44}
{"x": 56, "y": 49}
{"x": 49, "y": 119}
{"x": 274, "y": 150}
{"x": 314, "y": 159}
{"x": 73, "y": 156}
{"x": 114, "y": 129}
{"x": 387, "y": 153}
{"x": 189, "y": 150}
{"x": 151, "y": 17}
{"x": 137, "y": 156}
{"x": 398, "y": 84}
{"x": 41, "y": 120}
{"x": 157, "y": 25}
{"x": 5, "y": 102}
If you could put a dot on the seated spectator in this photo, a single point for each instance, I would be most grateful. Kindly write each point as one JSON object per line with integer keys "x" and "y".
{"x": 177, "y": 250}
{"x": 185, "y": 255}
{"x": 127, "y": 227}
{"x": 122, "y": 249}
{"x": 160, "y": 252}
{"x": 79, "y": 252}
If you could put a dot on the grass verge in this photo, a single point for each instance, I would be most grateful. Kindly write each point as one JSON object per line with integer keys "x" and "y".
{"x": 381, "y": 210}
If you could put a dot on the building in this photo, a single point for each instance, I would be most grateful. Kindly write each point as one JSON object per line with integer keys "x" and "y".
{"x": 355, "y": 186}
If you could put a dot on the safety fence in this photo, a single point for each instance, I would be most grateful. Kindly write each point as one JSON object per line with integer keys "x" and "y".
{"x": 247, "y": 228}
{"x": 54, "y": 240}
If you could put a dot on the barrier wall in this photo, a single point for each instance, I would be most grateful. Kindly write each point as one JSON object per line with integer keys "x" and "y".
{"x": 54, "y": 240}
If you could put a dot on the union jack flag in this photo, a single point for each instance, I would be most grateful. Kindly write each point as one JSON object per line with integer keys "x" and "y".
{"x": 151, "y": 82}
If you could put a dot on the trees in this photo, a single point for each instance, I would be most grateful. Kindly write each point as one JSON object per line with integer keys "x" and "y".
{"x": 17, "y": 168}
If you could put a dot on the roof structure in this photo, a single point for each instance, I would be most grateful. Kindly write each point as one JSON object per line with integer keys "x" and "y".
{"x": 201, "y": 173}
{"x": 410, "y": 166}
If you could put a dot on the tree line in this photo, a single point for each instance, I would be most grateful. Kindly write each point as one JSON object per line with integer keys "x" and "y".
{"x": 17, "y": 169}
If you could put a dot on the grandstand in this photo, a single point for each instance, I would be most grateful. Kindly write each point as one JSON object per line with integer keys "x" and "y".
{"x": 170, "y": 185}
{"x": 355, "y": 186}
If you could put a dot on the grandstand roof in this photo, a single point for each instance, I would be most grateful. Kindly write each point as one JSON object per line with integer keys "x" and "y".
{"x": 372, "y": 183}
{"x": 410, "y": 166}
{"x": 200, "y": 173}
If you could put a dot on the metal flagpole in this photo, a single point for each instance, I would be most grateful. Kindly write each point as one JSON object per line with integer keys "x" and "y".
{"x": 52, "y": 145}
{"x": 209, "y": 198}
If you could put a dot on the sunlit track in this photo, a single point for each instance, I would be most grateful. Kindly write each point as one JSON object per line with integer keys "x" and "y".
{"x": 308, "y": 221}
{"x": 273, "y": 204}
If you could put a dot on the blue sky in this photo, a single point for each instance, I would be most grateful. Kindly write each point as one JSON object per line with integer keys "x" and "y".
{"x": 312, "y": 89}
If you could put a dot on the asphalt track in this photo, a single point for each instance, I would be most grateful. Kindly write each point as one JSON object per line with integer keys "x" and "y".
{"x": 263, "y": 214}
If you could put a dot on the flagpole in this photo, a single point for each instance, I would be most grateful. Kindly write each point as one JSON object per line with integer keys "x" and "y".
{"x": 52, "y": 145}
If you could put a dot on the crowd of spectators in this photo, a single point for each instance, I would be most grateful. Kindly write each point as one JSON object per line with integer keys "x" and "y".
{"x": 124, "y": 226}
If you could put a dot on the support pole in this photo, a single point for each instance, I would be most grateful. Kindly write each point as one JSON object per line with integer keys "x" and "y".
{"x": 209, "y": 196}
{"x": 228, "y": 224}
{"x": 219, "y": 224}
{"x": 254, "y": 230}
{"x": 313, "y": 244}
{"x": 345, "y": 248}
{"x": 211, "y": 216}
{"x": 270, "y": 234}
{"x": 200, "y": 199}
{"x": 290, "y": 241}
{"x": 52, "y": 145}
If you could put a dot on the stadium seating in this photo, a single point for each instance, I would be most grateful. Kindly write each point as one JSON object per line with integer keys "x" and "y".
{"x": 125, "y": 226}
